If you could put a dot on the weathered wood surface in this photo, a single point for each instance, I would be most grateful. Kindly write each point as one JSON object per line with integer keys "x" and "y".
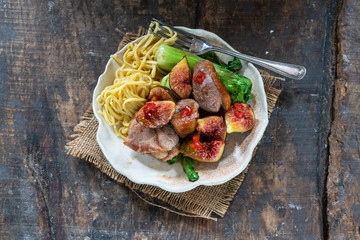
{"x": 51, "y": 53}
{"x": 344, "y": 164}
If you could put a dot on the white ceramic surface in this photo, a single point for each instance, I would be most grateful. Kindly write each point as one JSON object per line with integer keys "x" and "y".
{"x": 145, "y": 169}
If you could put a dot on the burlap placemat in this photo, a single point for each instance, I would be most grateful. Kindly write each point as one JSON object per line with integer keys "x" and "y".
{"x": 203, "y": 201}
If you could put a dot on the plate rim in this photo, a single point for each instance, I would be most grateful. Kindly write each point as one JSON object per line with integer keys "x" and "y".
{"x": 191, "y": 185}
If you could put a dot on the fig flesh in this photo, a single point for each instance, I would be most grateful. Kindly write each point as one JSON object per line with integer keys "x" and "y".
{"x": 155, "y": 114}
{"x": 213, "y": 128}
{"x": 240, "y": 118}
{"x": 160, "y": 93}
{"x": 180, "y": 79}
{"x": 211, "y": 151}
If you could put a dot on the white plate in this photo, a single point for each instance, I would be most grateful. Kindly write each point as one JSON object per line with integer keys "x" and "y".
{"x": 145, "y": 169}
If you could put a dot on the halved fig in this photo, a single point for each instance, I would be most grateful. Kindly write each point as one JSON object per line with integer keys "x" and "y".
{"x": 155, "y": 114}
{"x": 204, "y": 114}
{"x": 185, "y": 116}
{"x": 240, "y": 118}
{"x": 210, "y": 152}
{"x": 160, "y": 93}
{"x": 180, "y": 79}
{"x": 213, "y": 128}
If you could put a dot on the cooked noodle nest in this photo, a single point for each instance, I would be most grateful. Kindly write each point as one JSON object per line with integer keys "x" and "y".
{"x": 137, "y": 74}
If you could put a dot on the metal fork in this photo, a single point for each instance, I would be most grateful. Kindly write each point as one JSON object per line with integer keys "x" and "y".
{"x": 197, "y": 45}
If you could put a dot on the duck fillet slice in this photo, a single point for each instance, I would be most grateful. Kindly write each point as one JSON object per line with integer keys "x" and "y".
{"x": 211, "y": 93}
{"x": 149, "y": 140}
{"x": 165, "y": 156}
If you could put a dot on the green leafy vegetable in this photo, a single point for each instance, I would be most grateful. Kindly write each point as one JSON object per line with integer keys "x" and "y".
{"x": 239, "y": 89}
{"x": 165, "y": 81}
{"x": 174, "y": 159}
{"x": 188, "y": 165}
{"x": 238, "y": 86}
{"x": 212, "y": 57}
{"x": 234, "y": 65}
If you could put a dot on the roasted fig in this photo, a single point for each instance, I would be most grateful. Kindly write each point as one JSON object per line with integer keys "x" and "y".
{"x": 240, "y": 118}
{"x": 213, "y": 128}
{"x": 155, "y": 114}
{"x": 184, "y": 119}
{"x": 160, "y": 93}
{"x": 180, "y": 79}
{"x": 208, "y": 152}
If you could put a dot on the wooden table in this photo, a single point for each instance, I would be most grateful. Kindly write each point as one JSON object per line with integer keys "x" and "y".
{"x": 303, "y": 182}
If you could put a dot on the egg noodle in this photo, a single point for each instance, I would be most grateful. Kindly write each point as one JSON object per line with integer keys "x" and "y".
{"x": 134, "y": 79}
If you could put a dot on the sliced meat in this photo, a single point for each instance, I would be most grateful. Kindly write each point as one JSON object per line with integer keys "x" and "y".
{"x": 166, "y": 156}
{"x": 174, "y": 152}
{"x": 167, "y": 138}
{"x": 148, "y": 140}
{"x": 184, "y": 123}
{"x": 211, "y": 93}
{"x": 160, "y": 155}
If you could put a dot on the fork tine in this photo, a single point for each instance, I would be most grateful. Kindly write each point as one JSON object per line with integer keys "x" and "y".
{"x": 181, "y": 40}
{"x": 159, "y": 32}
{"x": 175, "y": 45}
{"x": 153, "y": 33}
{"x": 184, "y": 39}
{"x": 161, "y": 27}
{"x": 178, "y": 36}
{"x": 164, "y": 32}
{"x": 186, "y": 44}
{"x": 175, "y": 29}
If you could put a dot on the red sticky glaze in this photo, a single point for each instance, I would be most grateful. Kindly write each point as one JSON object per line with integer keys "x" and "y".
{"x": 199, "y": 78}
{"x": 149, "y": 110}
{"x": 186, "y": 112}
{"x": 196, "y": 144}
{"x": 238, "y": 114}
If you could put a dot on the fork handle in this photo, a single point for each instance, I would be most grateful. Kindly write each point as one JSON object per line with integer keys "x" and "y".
{"x": 292, "y": 71}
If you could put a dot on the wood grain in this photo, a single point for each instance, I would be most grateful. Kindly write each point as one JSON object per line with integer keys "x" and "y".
{"x": 51, "y": 54}
{"x": 344, "y": 166}
{"x": 281, "y": 196}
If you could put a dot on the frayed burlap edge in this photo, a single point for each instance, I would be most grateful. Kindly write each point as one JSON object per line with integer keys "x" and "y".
{"x": 194, "y": 203}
